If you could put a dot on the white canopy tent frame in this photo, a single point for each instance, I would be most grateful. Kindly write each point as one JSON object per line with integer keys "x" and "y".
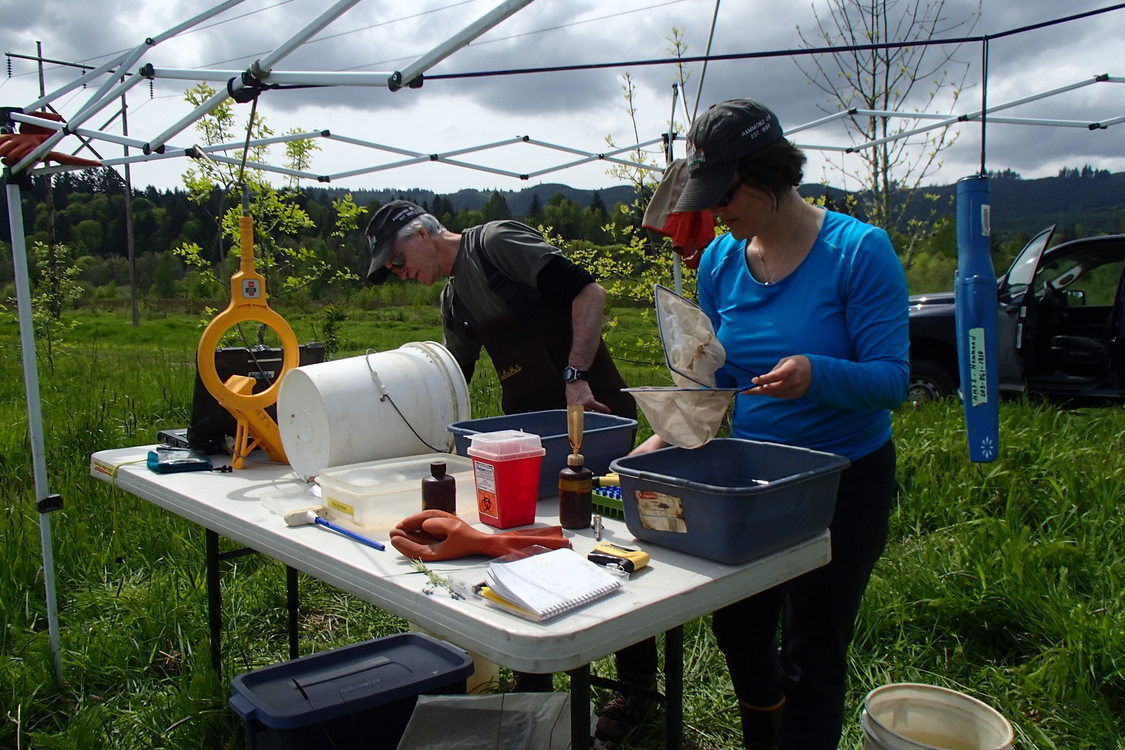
{"x": 120, "y": 61}
{"x": 261, "y": 73}
{"x": 937, "y": 121}
{"x": 106, "y": 94}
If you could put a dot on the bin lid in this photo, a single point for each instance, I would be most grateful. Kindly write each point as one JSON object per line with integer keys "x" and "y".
{"x": 335, "y": 683}
{"x": 390, "y": 474}
{"x": 505, "y": 445}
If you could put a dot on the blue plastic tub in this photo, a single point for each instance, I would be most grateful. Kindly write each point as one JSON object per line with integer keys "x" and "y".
{"x": 359, "y": 696}
{"x": 731, "y": 500}
{"x": 604, "y": 438}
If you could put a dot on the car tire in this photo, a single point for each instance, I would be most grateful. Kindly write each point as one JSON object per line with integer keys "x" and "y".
{"x": 929, "y": 381}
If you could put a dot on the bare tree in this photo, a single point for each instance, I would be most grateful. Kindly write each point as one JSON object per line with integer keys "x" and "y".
{"x": 888, "y": 79}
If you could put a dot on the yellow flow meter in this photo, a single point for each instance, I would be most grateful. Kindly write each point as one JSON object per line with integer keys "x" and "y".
{"x": 256, "y": 428}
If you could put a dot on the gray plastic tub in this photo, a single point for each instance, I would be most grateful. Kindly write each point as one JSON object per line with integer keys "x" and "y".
{"x": 730, "y": 500}
{"x": 604, "y": 438}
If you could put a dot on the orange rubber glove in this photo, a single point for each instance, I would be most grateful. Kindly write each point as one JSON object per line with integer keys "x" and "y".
{"x": 13, "y": 147}
{"x": 437, "y": 535}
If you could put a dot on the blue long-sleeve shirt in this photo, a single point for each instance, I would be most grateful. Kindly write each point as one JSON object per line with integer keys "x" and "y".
{"x": 844, "y": 307}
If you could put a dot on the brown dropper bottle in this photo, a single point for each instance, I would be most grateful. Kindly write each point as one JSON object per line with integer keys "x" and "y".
{"x": 439, "y": 490}
{"x": 576, "y": 482}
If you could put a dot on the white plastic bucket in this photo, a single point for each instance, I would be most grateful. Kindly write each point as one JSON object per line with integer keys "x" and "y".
{"x": 380, "y": 405}
{"x": 911, "y": 716}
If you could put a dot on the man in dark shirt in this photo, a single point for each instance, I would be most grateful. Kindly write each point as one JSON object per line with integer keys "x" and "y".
{"x": 539, "y": 316}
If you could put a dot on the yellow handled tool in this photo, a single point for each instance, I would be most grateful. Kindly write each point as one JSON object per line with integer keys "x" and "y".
{"x": 629, "y": 559}
{"x": 256, "y": 428}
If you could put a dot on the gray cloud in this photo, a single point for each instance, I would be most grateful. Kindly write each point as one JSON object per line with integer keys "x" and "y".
{"x": 583, "y": 105}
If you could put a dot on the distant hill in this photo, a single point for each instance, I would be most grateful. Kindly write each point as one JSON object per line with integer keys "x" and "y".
{"x": 90, "y": 217}
{"x": 519, "y": 201}
{"x": 1097, "y": 203}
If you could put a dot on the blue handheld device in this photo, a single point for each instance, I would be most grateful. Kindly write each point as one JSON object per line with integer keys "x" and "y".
{"x": 976, "y": 311}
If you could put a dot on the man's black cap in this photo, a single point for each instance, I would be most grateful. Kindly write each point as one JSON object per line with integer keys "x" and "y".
{"x": 718, "y": 138}
{"x": 381, "y": 231}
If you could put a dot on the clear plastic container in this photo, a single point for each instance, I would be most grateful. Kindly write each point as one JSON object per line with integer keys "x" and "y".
{"x": 379, "y": 494}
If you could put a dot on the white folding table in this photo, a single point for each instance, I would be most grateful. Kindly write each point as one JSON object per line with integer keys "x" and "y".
{"x": 674, "y": 589}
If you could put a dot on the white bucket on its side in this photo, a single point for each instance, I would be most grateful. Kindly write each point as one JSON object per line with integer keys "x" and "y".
{"x": 379, "y": 405}
{"x": 911, "y": 716}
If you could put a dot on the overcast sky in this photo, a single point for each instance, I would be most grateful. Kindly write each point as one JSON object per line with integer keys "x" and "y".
{"x": 571, "y": 109}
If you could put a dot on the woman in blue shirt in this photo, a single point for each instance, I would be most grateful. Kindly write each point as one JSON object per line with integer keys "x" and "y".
{"x": 816, "y": 302}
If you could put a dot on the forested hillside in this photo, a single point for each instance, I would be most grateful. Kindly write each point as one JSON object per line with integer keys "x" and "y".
{"x": 89, "y": 221}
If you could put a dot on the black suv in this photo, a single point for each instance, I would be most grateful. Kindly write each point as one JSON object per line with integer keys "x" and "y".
{"x": 1060, "y": 325}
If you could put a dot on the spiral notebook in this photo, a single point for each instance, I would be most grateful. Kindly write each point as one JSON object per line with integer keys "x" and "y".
{"x": 542, "y": 586}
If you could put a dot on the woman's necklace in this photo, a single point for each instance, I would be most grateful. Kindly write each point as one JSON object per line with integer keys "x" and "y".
{"x": 781, "y": 259}
{"x": 765, "y": 268}
{"x": 765, "y": 276}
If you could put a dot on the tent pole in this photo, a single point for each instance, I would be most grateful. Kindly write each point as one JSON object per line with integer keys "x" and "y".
{"x": 261, "y": 68}
{"x": 460, "y": 39}
{"x": 669, "y": 157}
{"x": 34, "y": 415}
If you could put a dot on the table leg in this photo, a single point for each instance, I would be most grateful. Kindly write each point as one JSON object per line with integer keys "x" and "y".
{"x": 214, "y": 601}
{"x": 674, "y": 688}
{"x": 292, "y": 601}
{"x": 580, "y": 708}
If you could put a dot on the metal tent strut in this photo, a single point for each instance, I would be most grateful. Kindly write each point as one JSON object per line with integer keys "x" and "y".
{"x": 934, "y": 121}
{"x": 35, "y": 418}
{"x": 107, "y": 94}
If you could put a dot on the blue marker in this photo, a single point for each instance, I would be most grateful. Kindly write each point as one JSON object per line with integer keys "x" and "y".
{"x": 349, "y": 534}
{"x": 302, "y": 516}
{"x": 974, "y": 292}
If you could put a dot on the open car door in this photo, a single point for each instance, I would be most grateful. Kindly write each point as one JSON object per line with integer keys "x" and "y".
{"x": 1017, "y": 313}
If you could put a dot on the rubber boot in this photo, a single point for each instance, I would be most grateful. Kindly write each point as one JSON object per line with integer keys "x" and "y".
{"x": 759, "y": 725}
{"x": 627, "y": 710}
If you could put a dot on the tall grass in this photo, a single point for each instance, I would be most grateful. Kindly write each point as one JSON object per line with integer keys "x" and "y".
{"x": 1003, "y": 580}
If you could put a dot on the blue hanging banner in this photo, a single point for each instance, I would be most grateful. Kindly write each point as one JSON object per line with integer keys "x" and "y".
{"x": 976, "y": 313}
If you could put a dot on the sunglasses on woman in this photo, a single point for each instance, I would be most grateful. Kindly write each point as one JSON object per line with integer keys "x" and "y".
{"x": 729, "y": 195}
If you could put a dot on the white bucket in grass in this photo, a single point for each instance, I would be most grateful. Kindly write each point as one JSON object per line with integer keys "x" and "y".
{"x": 379, "y": 405}
{"x": 910, "y": 716}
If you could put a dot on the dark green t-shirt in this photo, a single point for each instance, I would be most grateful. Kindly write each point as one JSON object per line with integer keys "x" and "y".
{"x": 515, "y": 252}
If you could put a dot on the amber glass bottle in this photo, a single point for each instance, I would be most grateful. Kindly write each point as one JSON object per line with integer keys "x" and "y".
{"x": 439, "y": 490}
{"x": 576, "y": 484}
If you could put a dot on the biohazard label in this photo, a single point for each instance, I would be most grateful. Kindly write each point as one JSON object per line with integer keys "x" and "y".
{"x": 978, "y": 368}
{"x": 660, "y": 512}
{"x": 485, "y": 476}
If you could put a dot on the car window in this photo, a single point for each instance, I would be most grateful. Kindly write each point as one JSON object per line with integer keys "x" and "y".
{"x": 1023, "y": 268}
{"x": 1091, "y": 271}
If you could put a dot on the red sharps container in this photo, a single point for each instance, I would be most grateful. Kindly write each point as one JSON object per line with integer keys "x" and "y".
{"x": 506, "y": 472}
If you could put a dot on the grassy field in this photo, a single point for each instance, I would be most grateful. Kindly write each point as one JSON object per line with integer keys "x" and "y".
{"x": 1005, "y": 581}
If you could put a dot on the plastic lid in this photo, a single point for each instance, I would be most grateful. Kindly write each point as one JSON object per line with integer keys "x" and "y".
{"x": 505, "y": 444}
{"x": 385, "y": 475}
{"x": 575, "y": 459}
{"x": 333, "y": 684}
{"x": 437, "y": 469}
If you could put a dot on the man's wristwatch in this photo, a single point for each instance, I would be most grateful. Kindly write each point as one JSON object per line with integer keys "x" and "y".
{"x": 570, "y": 374}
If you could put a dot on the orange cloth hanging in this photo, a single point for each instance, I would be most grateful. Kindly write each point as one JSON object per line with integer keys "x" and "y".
{"x": 690, "y": 231}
